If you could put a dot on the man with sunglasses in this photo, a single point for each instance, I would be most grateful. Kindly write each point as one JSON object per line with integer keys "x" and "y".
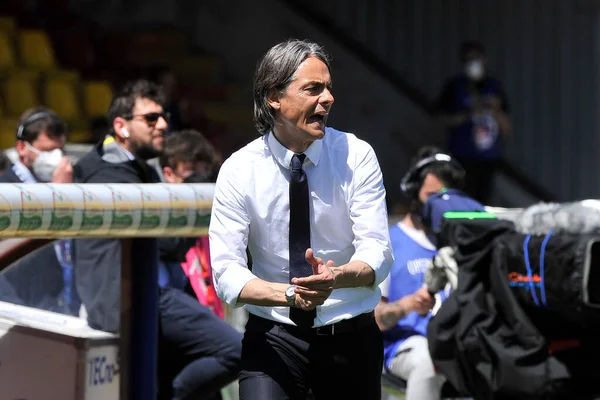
{"x": 199, "y": 365}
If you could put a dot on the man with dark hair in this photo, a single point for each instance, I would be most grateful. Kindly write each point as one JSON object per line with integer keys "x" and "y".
{"x": 188, "y": 158}
{"x": 198, "y": 353}
{"x": 301, "y": 194}
{"x": 474, "y": 109}
{"x": 405, "y": 307}
{"x": 137, "y": 127}
{"x": 40, "y": 141}
{"x": 188, "y": 153}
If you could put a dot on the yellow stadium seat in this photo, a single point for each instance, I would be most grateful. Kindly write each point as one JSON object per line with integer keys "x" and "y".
{"x": 70, "y": 75}
{"x": 20, "y": 94}
{"x": 96, "y": 98}
{"x": 79, "y": 136}
{"x": 61, "y": 96}
{"x": 8, "y": 132}
{"x": 35, "y": 49}
{"x": 7, "y": 54}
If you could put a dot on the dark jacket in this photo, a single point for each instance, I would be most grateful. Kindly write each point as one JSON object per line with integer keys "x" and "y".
{"x": 98, "y": 261}
{"x": 9, "y": 176}
{"x": 35, "y": 280}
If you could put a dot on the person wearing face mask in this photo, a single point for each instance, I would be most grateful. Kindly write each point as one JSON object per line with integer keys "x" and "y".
{"x": 473, "y": 107}
{"x": 198, "y": 353}
{"x": 40, "y": 140}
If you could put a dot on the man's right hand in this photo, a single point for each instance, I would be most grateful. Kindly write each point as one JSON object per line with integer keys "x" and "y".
{"x": 64, "y": 172}
{"x": 305, "y": 304}
{"x": 420, "y": 302}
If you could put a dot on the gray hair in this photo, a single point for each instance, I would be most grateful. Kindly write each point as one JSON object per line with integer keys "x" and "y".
{"x": 275, "y": 71}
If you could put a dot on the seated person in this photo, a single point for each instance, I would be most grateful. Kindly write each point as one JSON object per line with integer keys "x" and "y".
{"x": 39, "y": 141}
{"x": 406, "y": 305}
{"x": 188, "y": 157}
{"x": 198, "y": 353}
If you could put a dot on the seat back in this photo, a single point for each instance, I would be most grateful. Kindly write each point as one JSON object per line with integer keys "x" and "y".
{"x": 61, "y": 96}
{"x": 97, "y": 96}
{"x": 35, "y": 49}
{"x": 21, "y": 94}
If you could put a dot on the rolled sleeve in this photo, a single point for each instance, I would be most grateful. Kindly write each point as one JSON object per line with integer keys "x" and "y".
{"x": 228, "y": 237}
{"x": 368, "y": 212}
{"x": 232, "y": 281}
{"x": 385, "y": 287}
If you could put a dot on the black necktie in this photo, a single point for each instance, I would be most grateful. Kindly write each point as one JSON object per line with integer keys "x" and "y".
{"x": 299, "y": 235}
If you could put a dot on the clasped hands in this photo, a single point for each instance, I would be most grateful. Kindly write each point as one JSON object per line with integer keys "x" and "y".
{"x": 312, "y": 291}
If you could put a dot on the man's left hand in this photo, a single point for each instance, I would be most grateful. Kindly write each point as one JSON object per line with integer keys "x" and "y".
{"x": 321, "y": 282}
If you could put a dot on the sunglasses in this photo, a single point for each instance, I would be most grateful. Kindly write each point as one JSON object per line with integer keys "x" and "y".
{"x": 152, "y": 118}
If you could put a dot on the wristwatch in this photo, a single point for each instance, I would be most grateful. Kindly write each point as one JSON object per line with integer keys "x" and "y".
{"x": 290, "y": 296}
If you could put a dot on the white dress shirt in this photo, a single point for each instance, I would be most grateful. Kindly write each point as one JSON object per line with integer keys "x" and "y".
{"x": 348, "y": 220}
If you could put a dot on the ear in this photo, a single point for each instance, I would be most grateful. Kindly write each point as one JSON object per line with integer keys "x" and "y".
{"x": 21, "y": 148}
{"x": 274, "y": 100}
{"x": 24, "y": 153}
{"x": 169, "y": 175}
{"x": 118, "y": 125}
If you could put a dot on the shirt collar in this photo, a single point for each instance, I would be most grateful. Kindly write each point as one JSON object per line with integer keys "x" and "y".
{"x": 23, "y": 173}
{"x": 284, "y": 156}
{"x": 114, "y": 152}
{"x": 127, "y": 153}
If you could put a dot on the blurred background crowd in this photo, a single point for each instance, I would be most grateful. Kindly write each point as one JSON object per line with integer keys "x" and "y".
{"x": 392, "y": 63}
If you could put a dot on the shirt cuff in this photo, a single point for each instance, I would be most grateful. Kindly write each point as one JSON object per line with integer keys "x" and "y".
{"x": 231, "y": 283}
{"x": 377, "y": 261}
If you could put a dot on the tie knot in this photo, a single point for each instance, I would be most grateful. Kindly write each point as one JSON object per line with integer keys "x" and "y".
{"x": 297, "y": 161}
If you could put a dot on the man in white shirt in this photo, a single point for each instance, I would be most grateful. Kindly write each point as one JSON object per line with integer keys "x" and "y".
{"x": 295, "y": 197}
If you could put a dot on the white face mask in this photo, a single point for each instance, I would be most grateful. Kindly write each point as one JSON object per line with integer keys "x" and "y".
{"x": 46, "y": 162}
{"x": 474, "y": 70}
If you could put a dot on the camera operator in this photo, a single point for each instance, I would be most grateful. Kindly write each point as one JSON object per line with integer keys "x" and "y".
{"x": 406, "y": 304}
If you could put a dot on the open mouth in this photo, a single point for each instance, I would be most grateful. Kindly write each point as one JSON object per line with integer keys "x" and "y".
{"x": 320, "y": 118}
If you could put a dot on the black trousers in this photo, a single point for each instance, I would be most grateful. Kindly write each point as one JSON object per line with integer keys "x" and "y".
{"x": 280, "y": 362}
{"x": 198, "y": 352}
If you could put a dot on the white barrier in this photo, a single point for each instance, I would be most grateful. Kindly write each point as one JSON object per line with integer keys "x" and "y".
{"x": 84, "y": 362}
{"x": 104, "y": 210}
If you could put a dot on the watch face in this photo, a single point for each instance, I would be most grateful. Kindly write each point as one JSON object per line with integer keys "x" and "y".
{"x": 289, "y": 292}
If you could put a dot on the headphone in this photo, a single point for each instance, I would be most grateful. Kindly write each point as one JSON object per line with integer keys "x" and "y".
{"x": 411, "y": 184}
{"x": 30, "y": 120}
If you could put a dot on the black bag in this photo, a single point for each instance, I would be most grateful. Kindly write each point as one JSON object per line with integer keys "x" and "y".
{"x": 489, "y": 338}
{"x": 550, "y": 278}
